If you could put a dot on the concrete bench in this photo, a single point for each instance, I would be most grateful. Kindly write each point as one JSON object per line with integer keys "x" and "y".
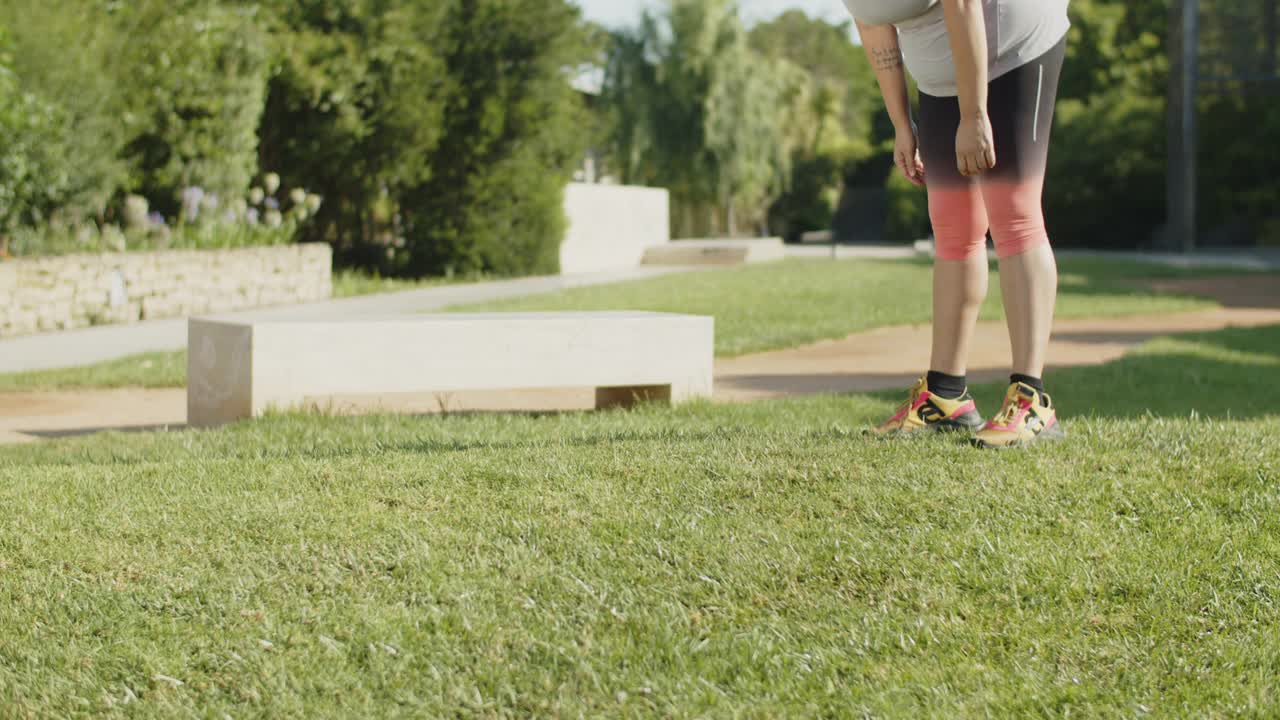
{"x": 239, "y": 369}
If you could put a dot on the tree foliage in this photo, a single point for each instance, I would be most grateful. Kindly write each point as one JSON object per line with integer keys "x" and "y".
{"x": 67, "y": 121}
{"x": 700, "y": 112}
{"x": 439, "y": 134}
{"x": 199, "y": 82}
{"x": 29, "y": 178}
{"x": 1109, "y": 139}
{"x": 509, "y": 141}
{"x": 354, "y": 109}
{"x": 829, "y": 120}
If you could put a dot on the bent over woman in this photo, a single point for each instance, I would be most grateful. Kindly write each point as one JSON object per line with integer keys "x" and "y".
{"x": 987, "y": 71}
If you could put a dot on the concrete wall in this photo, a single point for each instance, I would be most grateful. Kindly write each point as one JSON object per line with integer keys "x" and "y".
{"x": 610, "y": 226}
{"x": 58, "y": 293}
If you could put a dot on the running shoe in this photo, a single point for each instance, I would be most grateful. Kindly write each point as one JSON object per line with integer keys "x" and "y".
{"x": 1028, "y": 417}
{"x": 925, "y": 412}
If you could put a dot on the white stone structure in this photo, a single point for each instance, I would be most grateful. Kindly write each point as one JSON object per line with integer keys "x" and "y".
{"x": 611, "y": 226}
{"x": 239, "y": 369}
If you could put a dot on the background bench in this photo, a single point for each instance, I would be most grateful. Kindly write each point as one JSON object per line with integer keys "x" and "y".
{"x": 239, "y": 369}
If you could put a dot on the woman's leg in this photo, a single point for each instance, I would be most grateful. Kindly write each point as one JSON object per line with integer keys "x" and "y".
{"x": 941, "y": 401}
{"x": 1021, "y": 107}
{"x": 1029, "y": 285}
{"x": 960, "y": 278}
{"x": 960, "y": 222}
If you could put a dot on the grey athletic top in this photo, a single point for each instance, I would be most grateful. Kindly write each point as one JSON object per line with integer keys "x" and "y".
{"x": 1018, "y": 31}
{"x": 888, "y": 12}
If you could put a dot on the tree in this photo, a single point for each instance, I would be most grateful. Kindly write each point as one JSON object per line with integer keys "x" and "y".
{"x": 1109, "y": 147}
{"x": 69, "y": 122}
{"x": 353, "y": 112}
{"x": 699, "y": 112}
{"x": 841, "y": 95}
{"x": 508, "y": 144}
{"x": 829, "y": 123}
{"x": 744, "y": 132}
{"x": 198, "y": 71}
{"x": 29, "y": 179}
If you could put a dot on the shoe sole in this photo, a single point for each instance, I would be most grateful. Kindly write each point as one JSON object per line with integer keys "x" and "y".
{"x": 1048, "y": 435}
{"x": 944, "y": 427}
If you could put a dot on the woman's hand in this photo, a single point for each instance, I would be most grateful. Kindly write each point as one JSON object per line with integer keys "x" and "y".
{"x": 975, "y": 145}
{"x": 906, "y": 155}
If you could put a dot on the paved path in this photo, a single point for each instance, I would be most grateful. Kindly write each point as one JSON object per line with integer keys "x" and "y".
{"x": 91, "y": 345}
{"x": 895, "y": 357}
{"x": 1263, "y": 259}
{"x": 27, "y": 417}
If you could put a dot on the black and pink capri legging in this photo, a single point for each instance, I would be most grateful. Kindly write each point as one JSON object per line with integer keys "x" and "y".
{"x": 1006, "y": 199}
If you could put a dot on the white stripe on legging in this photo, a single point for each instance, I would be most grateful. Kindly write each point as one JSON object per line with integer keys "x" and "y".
{"x": 1035, "y": 129}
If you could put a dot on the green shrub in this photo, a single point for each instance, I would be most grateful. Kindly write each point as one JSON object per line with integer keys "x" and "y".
{"x": 64, "y": 123}
{"x": 198, "y": 78}
{"x": 353, "y": 112}
{"x": 1108, "y": 153}
{"x": 908, "y": 218}
{"x": 30, "y": 181}
{"x": 810, "y": 200}
{"x": 494, "y": 201}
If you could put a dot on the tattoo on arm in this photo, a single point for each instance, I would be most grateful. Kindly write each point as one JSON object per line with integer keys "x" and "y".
{"x": 886, "y": 58}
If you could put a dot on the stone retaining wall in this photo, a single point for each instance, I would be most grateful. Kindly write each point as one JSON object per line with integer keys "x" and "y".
{"x": 58, "y": 293}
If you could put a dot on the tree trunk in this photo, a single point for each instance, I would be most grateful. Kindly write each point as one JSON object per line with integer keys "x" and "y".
{"x": 1181, "y": 191}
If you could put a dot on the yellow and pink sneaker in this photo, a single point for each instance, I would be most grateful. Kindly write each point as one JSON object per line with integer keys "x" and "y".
{"x": 925, "y": 412}
{"x": 1028, "y": 417}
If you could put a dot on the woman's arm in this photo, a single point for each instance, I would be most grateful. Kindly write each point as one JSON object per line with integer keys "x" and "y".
{"x": 967, "y": 29}
{"x": 881, "y": 45}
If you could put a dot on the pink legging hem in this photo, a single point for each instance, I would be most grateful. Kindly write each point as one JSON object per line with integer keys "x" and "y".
{"x": 1012, "y": 211}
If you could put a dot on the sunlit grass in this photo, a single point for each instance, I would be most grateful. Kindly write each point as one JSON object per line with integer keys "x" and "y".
{"x": 759, "y": 561}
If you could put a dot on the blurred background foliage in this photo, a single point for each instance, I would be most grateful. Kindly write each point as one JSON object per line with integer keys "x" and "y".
{"x": 440, "y": 135}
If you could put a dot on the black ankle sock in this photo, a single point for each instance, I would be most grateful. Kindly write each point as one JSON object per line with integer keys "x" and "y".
{"x": 1035, "y": 382}
{"x": 947, "y": 387}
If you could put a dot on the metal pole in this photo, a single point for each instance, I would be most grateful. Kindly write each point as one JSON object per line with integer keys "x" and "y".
{"x": 1184, "y": 43}
{"x": 1270, "y": 26}
{"x": 1190, "y": 134}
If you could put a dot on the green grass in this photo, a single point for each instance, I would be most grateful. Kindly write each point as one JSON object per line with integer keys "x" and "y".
{"x": 149, "y": 370}
{"x": 756, "y": 308}
{"x": 705, "y": 561}
{"x": 767, "y": 307}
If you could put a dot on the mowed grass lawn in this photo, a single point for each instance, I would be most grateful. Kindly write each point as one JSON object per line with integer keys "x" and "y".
{"x": 796, "y": 302}
{"x": 756, "y": 308}
{"x": 704, "y": 561}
